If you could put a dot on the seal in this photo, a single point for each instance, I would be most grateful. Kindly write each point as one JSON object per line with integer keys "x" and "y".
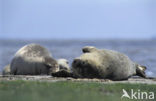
{"x": 105, "y": 64}
{"x": 63, "y": 64}
{"x": 6, "y": 70}
{"x": 33, "y": 59}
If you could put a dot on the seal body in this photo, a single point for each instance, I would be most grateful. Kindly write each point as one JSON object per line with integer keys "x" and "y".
{"x": 33, "y": 59}
{"x": 104, "y": 64}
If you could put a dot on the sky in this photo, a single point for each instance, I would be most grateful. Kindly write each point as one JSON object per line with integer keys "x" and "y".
{"x": 69, "y": 19}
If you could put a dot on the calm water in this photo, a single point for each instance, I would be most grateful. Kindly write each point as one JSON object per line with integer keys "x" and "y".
{"x": 142, "y": 51}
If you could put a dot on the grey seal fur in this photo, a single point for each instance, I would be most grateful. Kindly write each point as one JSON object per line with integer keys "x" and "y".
{"x": 62, "y": 63}
{"x": 105, "y": 64}
{"x": 33, "y": 59}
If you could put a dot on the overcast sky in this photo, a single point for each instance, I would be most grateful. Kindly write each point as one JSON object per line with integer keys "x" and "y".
{"x": 77, "y": 18}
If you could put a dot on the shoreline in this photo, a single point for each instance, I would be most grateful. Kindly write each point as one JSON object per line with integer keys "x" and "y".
{"x": 45, "y": 78}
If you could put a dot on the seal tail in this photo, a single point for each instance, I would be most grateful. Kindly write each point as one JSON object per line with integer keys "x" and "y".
{"x": 140, "y": 71}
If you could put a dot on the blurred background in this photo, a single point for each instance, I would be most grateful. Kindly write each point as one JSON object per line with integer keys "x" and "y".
{"x": 65, "y": 26}
{"x": 77, "y": 19}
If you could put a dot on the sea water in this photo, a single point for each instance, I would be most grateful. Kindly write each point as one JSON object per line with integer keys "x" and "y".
{"x": 140, "y": 51}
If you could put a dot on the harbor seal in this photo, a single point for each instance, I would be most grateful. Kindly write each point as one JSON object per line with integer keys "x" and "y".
{"x": 105, "y": 64}
{"x": 62, "y": 63}
{"x": 33, "y": 59}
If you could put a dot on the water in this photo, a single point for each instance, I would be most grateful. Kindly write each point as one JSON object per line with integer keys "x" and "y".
{"x": 140, "y": 51}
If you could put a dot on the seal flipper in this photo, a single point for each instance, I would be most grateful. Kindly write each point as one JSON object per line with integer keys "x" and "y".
{"x": 140, "y": 71}
{"x": 88, "y": 49}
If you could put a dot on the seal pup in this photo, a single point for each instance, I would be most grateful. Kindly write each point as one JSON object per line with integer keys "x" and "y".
{"x": 6, "y": 70}
{"x": 33, "y": 59}
{"x": 63, "y": 64}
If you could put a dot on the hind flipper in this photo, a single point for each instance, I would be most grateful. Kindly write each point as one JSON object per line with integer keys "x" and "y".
{"x": 140, "y": 71}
